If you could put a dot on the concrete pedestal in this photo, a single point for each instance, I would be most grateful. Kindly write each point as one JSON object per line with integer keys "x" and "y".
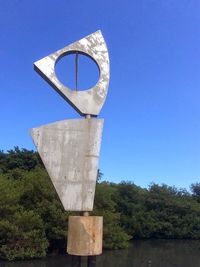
{"x": 85, "y": 234}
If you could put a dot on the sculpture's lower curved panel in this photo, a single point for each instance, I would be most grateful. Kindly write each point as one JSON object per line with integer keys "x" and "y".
{"x": 69, "y": 150}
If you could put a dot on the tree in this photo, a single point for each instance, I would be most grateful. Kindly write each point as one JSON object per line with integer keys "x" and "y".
{"x": 34, "y": 223}
{"x": 22, "y": 232}
{"x": 19, "y": 158}
{"x": 195, "y": 188}
{"x": 114, "y": 236}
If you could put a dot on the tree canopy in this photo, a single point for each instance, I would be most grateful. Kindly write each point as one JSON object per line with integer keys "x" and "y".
{"x": 33, "y": 222}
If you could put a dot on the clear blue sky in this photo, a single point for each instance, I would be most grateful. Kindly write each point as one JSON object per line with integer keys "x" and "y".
{"x": 152, "y": 111}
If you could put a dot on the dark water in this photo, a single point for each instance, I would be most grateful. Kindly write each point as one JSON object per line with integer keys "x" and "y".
{"x": 154, "y": 253}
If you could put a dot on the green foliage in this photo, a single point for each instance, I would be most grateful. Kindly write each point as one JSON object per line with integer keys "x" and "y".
{"x": 19, "y": 158}
{"x": 196, "y": 191}
{"x": 159, "y": 212}
{"x": 114, "y": 236}
{"x": 21, "y": 231}
{"x": 34, "y": 223}
{"x": 23, "y": 237}
{"x": 32, "y": 219}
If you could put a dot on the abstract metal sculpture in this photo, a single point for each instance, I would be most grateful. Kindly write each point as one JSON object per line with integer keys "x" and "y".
{"x": 70, "y": 149}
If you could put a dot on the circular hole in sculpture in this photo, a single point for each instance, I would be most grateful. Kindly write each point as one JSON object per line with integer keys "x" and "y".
{"x": 77, "y": 72}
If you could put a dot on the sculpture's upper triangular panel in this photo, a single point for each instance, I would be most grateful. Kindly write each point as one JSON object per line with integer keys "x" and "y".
{"x": 89, "y": 101}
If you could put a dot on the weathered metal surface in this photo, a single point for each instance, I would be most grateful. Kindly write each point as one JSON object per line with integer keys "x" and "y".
{"x": 85, "y": 234}
{"x": 69, "y": 150}
{"x": 89, "y": 101}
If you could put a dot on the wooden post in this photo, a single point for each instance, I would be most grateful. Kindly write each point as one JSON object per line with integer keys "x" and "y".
{"x": 91, "y": 261}
{"x": 76, "y": 261}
